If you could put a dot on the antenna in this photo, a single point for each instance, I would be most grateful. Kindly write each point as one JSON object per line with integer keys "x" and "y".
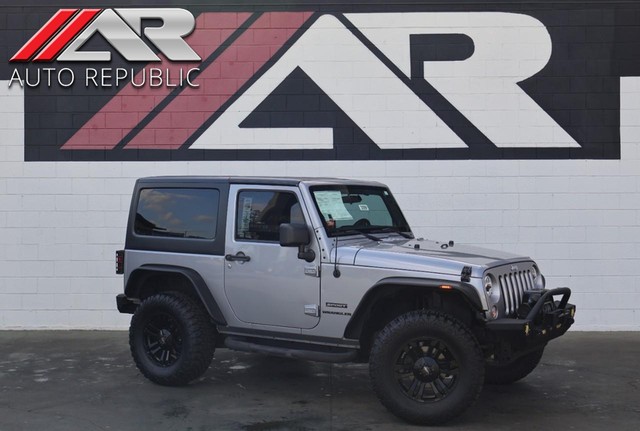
{"x": 336, "y": 271}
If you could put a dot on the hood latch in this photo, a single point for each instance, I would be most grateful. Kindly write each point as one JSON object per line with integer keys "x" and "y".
{"x": 465, "y": 275}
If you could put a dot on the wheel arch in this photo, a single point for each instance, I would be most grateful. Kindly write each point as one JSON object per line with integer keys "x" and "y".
{"x": 402, "y": 294}
{"x": 150, "y": 279}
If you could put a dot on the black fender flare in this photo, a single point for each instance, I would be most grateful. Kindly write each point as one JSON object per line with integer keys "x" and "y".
{"x": 140, "y": 275}
{"x": 356, "y": 324}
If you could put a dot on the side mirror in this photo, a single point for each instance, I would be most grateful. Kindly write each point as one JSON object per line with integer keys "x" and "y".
{"x": 294, "y": 234}
{"x": 297, "y": 235}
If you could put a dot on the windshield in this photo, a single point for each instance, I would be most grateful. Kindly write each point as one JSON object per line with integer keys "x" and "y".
{"x": 347, "y": 208}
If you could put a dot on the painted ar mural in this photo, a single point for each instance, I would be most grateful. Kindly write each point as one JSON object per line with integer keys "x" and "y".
{"x": 317, "y": 82}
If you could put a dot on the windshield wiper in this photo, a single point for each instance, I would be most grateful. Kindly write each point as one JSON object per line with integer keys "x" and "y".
{"x": 358, "y": 232}
{"x": 395, "y": 230}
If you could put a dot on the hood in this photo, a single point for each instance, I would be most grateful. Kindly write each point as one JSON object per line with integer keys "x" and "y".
{"x": 427, "y": 256}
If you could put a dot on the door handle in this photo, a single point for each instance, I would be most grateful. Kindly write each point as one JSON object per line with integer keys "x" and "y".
{"x": 239, "y": 256}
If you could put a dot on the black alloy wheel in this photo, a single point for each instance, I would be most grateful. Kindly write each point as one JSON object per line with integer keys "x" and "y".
{"x": 163, "y": 339}
{"x": 426, "y": 367}
{"x": 426, "y": 370}
{"x": 172, "y": 338}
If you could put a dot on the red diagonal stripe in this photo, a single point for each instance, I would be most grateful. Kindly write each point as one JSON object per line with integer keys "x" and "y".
{"x": 51, "y": 51}
{"x": 219, "y": 81}
{"x": 132, "y": 104}
{"x": 43, "y": 35}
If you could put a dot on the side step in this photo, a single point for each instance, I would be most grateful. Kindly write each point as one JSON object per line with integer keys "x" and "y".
{"x": 291, "y": 350}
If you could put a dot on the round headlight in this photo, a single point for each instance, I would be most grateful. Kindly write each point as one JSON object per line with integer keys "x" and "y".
{"x": 488, "y": 283}
{"x": 538, "y": 278}
{"x": 493, "y": 291}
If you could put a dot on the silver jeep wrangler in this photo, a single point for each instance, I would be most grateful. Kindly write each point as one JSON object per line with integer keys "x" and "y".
{"x": 327, "y": 270}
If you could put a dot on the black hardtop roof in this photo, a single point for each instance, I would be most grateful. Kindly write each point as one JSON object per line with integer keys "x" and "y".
{"x": 278, "y": 181}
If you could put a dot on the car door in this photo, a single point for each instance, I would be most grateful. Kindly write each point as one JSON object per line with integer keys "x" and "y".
{"x": 265, "y": 283}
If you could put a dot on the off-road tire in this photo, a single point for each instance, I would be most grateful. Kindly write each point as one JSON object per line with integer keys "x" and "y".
{"x": 194, "y": 338}
{"x": 513, "y": 371}
{"x": 444, "y": 330}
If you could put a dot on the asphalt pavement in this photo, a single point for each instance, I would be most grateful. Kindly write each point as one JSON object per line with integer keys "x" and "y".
{"x": 86, "y": 380}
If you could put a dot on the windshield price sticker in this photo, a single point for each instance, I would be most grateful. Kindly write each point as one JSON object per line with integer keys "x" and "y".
{"x": 331, "y": 205}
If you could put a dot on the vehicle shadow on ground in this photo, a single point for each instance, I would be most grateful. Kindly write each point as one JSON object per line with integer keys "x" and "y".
{"x": 293, "y": 394}
{"x": 77, "y": 380}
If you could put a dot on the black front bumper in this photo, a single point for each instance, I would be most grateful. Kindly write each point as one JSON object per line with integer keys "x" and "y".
{"x": 547, "y": 319}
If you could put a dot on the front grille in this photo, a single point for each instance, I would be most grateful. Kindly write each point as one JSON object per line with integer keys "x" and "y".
{"x": 512, "y": 287}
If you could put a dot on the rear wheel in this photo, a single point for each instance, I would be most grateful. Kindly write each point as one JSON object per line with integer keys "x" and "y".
{"x": 426, "y": 367}
{"x": 171, "y": 339}
{"x": 513, "y": 371}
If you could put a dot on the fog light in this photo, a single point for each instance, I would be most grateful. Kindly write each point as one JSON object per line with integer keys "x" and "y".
{"x": 493, "y": 314}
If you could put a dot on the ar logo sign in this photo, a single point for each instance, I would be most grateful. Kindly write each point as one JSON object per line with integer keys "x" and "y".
{"x": 507, "y": 48}
{"x": 69, "y": 29}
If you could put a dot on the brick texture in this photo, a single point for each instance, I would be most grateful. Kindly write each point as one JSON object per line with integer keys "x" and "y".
{"x": 61, "y": 221}
{"x": 579, "y": 219}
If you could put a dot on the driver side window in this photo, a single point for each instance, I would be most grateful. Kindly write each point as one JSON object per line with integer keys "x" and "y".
{"x": 259, "y": 214}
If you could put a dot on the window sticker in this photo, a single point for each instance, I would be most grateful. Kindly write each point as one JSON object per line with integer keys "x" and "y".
{"x": 331, "y": 205}
{"x": 363, "y": 207}
{"x": 245, "y": 220}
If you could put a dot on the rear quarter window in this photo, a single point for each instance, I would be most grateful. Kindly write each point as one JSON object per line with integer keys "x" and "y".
{"x": 177, "y": 213}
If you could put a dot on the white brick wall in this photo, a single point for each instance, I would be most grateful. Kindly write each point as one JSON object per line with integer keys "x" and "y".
{"x": 61, "y": 222}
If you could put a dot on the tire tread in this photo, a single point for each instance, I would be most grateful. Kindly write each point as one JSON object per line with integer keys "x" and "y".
{"x": 426, "y": 319}
{"x": 517, "y": 370}
{"x": 198, "y": 328}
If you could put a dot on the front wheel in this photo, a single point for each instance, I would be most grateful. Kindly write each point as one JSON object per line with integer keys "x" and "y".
{"x": 513, "y": 371}
{"x": 426, "y": 367}
{"x": 171, "y": 339}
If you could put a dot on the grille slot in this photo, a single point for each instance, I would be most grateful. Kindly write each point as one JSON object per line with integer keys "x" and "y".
{"x": 512, "y": 287}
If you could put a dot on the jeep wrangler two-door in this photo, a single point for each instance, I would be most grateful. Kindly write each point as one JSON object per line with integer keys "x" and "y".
{"x": 327, "y": 270}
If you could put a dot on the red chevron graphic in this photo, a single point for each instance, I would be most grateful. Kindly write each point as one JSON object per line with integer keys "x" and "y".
{"x": 43, "y": 35}
{"x": 132, "y": 104}
{"x": 219, "y": 81}
{"x": 72, "y": 29}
